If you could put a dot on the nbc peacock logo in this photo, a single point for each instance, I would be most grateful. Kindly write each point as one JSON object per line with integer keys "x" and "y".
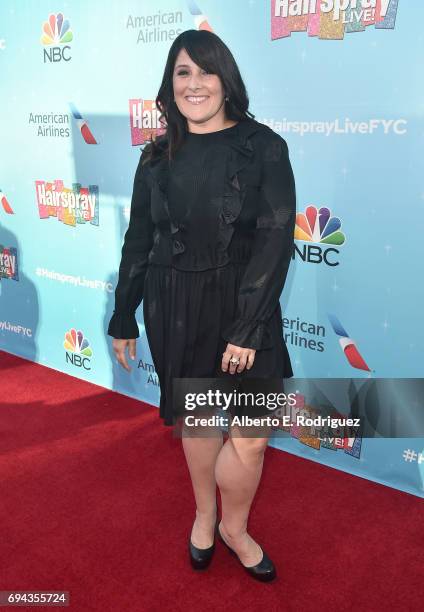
{"x": 77, "y": 349}
{"x": 317, "y": 225}
{"x": 56, "y": 31}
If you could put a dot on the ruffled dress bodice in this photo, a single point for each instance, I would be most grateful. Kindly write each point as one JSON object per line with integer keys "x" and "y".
{"x": 196, "y": 204}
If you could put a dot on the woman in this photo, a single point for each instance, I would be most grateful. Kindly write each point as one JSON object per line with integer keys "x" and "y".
{"x": 207, "y": 249}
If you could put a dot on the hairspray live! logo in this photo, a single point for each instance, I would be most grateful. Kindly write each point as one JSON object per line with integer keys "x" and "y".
{"x": 9, "y": 263}
{"x": 144, "y": 121}
{"x": 330, "y": 19}
{"x": 69, "y": 205}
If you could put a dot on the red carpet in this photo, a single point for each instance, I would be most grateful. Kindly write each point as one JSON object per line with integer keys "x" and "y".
{"x": 96, "y": 500}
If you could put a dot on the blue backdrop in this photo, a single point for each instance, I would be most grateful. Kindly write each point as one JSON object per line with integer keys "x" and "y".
{"x": 340, "y": 82}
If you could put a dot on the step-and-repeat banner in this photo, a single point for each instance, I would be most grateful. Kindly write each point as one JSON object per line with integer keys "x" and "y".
{"x": 338, "y": 79}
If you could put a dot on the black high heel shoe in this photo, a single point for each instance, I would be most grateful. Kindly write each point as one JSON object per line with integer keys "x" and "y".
{"x": 200, "y": 558}
{"x": 263, "y": 571}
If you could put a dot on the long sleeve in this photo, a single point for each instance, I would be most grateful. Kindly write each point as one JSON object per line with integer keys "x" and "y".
{"x": 138, "y": 241}
{"x": 266, "y": 272}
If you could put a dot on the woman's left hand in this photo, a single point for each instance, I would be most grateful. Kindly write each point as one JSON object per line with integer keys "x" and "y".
{"x": 246, "y": 356}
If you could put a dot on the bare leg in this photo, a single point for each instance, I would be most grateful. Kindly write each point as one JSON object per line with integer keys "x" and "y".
{"x": 201, "y": 448}
{"x": 238, "y": 471}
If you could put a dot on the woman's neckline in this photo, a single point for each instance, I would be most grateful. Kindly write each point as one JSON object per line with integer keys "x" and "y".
{"x": 206, "y": 134}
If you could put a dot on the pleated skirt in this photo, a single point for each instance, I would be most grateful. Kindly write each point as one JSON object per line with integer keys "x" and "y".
{"x": 184, "y": 314}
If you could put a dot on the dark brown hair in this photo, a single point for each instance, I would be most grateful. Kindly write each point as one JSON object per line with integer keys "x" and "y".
{"x": 210, "y": 53}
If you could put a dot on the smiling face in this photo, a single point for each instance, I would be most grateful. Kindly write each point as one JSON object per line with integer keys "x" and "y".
{"x": 198, "y": 94}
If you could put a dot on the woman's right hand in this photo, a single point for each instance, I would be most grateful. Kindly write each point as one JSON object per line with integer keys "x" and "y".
{"x": 119, "y": 346}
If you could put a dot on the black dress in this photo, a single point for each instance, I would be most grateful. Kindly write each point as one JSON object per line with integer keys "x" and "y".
{"x": 207, "y": 249}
